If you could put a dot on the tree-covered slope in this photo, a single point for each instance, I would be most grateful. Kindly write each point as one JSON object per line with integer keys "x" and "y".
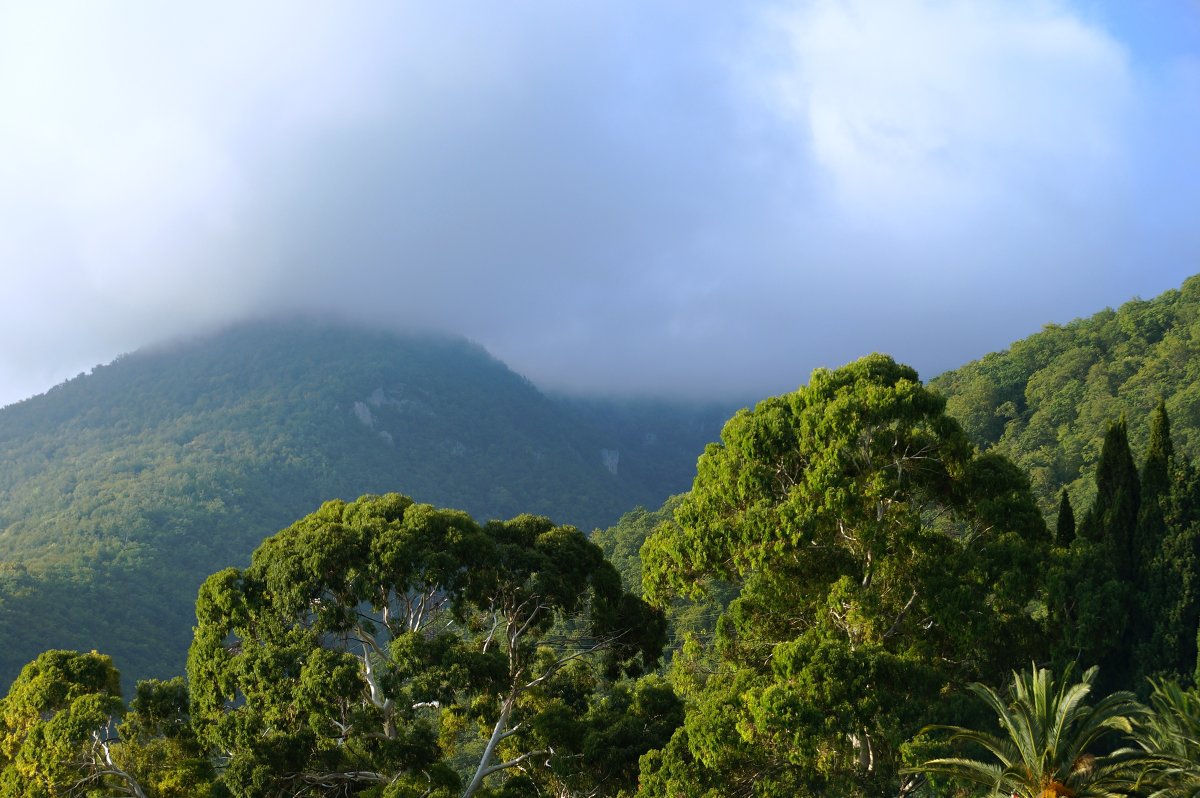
{"x": 622, "y": 542}
{"x": 121, "y": 490}
{"x": 1047, "y": 401}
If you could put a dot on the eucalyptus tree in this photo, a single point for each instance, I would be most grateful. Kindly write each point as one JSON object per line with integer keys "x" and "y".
{"x": 157, "y": 745}
{"x": 879, "y": 562}
{"x": 54, "y": 729}
{"x": 398, "y": 649}
{"x": 1050, "y": 742}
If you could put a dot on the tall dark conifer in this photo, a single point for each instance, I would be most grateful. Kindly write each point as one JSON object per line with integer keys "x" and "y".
{"x": 1159, "y": 592}
{"x": 1182, "y": 549}
{"x": 1155, "y": 489}
{"x": 1112, "y": 520}
{"x": 1107, "y": 568}
{"x": 1064, "y": 532}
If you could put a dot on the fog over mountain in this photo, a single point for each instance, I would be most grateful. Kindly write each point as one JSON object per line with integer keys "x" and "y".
{"x": 671, "y": 198}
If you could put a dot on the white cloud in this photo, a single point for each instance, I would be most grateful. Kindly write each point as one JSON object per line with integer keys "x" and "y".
{"x": 929, "y": 106}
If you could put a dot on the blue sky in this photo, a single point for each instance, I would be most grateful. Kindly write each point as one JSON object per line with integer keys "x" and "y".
{"x": 681, "y": 198}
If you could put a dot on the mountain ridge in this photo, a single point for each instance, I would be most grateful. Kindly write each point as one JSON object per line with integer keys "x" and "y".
{"x": 1046, "y": 401}
{"x": 123, "y": 489}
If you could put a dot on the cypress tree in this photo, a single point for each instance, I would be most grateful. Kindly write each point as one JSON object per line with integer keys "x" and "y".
{"x": 1182, "y": 549}
{"x": 1064, "y": 533}
{"x": 1112, "y": 520}
{"x": 1161, "y": 451}
{"x": 1155, "y": 486}
{"x": 1109, "y": 589}
{"x": 1163, "y": 625}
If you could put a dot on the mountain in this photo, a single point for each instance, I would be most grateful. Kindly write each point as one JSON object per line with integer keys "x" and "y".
{"x": 121, "y": 490}
{"x": 1046, "y": 402}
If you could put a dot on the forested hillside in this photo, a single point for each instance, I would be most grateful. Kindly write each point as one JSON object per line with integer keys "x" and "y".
{"x": 122, "y": 489}
{"x": 838, "y": 604}
{"x": 1047, "y": 401}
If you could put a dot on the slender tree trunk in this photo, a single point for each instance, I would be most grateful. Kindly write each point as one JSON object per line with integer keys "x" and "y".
{"x": 489, "y": 752}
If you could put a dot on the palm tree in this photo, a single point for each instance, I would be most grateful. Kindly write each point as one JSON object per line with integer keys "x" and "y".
{"x": 1050, "y": 742}
{"x": 1172, "y": 732}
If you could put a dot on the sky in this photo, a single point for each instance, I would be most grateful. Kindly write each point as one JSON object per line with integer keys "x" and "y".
{"x": 685, "y": 199}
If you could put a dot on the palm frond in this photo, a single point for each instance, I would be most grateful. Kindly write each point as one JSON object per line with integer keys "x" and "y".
{"x": 1049, "y": 738}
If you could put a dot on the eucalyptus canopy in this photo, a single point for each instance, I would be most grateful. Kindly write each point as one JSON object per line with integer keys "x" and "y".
{"x": 401, "y": 649}
{"x": 54, "y": 728}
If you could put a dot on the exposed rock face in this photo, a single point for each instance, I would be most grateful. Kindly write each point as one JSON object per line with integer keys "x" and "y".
{"x": 363, "y": 414}
{"x": 379, "y": 398}
{"x": 610, "y": 458}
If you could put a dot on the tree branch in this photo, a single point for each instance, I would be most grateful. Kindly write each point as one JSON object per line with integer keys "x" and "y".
{"x": 900, "y": 618}
{"x": 518, "y": 760}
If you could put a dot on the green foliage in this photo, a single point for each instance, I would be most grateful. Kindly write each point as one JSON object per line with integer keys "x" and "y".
{"x": 1064, "y": 530}
{"x": 606, "y": 734}
{"x": 124, "y": 488}
{"x": 1046, "y": 402}
{"x": 622, "y": 542}
{"x": 1112, "y": 519}
{"x": 1168, "y": 557}
{"x": 691, "y": 624}
{"x": 158, "y": 746}
{"x": 54, "y": 724}
{"x": 846, "y": 562}
{"x": 370, "y": 644}
{"x": 1106, "y": 568}
{"x": 1124, "y": 593}
{"x": 1171, "y": 734}
{"x": 1050, "y": 742}
{"x": 880, "y": 561}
